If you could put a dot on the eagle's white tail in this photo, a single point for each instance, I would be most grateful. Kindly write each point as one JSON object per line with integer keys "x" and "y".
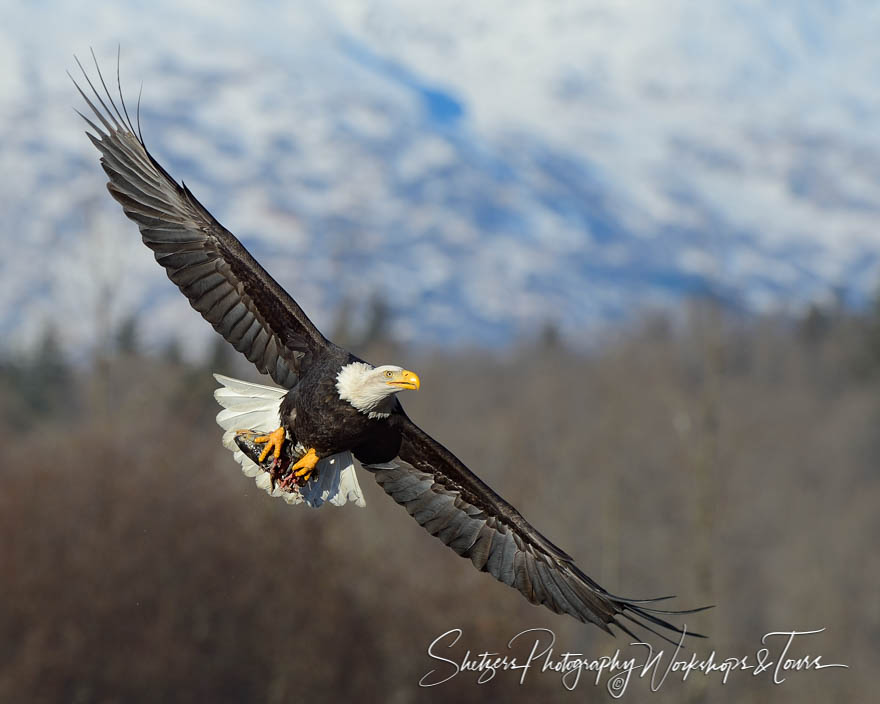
{"x": 257, "y": 407}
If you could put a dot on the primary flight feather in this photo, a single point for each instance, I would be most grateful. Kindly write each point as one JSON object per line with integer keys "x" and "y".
{"x": 298, "y": 440}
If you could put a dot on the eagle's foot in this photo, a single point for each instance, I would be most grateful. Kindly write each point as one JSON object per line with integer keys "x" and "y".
{"x": 274, "y": 441}
{"x": 302, "y": 470}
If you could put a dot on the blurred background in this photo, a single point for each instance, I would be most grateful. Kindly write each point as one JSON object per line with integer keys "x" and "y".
{"x": 630, "y": 248}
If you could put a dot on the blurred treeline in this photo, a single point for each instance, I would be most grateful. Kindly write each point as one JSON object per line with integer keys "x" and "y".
{"x": 729, "y": 460}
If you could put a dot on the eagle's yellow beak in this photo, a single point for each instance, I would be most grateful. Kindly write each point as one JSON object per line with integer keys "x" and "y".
{"x": 405, "y": 379}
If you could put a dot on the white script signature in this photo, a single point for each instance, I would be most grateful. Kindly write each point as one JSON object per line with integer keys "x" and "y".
{"x": 534, "y": 651}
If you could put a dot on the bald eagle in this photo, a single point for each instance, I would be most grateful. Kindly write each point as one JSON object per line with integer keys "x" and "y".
{"x": 298, "y": 440}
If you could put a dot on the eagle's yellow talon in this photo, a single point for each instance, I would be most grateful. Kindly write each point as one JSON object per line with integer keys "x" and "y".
{"x": 305, "y": 465}
{"x": 274, "y": 441}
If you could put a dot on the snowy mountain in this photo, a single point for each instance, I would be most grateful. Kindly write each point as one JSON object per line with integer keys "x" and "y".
{"x": 485, "y": 167}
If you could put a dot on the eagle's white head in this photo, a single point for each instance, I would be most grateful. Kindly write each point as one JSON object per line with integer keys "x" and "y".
{"x": 371, "y": 389}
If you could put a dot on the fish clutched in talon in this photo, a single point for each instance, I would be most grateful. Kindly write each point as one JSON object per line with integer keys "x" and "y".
{"x": 284, "y": 467}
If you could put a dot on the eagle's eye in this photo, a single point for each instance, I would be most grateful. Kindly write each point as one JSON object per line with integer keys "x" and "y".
{"x": 389, "y": 373}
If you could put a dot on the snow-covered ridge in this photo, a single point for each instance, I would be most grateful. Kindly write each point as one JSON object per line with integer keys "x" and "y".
{"x": 485, "y": 166}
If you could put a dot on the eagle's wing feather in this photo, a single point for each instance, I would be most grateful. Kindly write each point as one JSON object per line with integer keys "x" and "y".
{"x": 454, "y": 505}
{"x": 209, "y": 265}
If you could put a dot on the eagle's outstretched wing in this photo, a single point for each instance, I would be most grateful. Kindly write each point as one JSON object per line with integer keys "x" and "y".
{"x": 209, "y": 265}
{"x": 453, "y": 504}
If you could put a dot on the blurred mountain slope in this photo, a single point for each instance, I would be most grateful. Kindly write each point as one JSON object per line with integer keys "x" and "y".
{"x": 484, "y": 168}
